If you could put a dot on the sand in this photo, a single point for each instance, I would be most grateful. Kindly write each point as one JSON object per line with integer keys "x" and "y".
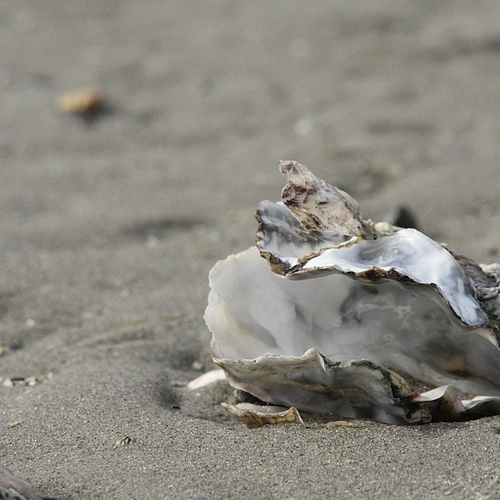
{"x": 109, "y": 226}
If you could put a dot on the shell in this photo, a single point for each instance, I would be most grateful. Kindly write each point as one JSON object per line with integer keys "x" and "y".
{"x": 13, "y": 487}
{"x": 331, "y": 313}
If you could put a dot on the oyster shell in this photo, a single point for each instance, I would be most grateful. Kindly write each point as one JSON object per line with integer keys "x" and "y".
{"x": 354, "y": 318}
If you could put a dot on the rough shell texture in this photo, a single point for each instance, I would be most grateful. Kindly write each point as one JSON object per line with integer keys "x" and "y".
{"x": 353, "y": 318}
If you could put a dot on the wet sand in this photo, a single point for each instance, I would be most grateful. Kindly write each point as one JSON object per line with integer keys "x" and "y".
{"x": 109, "y": 225}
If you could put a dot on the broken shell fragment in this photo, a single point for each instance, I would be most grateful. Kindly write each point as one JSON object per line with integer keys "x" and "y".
{"x": 207, "y": 378}
{"x": 255, "y": 416}
{"x": 331, "y": 313}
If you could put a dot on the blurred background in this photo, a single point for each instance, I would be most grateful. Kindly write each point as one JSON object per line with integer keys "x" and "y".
{"x": 137, "y": 138}
{"x": 201, "y": 100}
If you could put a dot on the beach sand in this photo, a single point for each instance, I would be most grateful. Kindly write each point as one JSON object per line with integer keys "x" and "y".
{"x": 110, "y": 223}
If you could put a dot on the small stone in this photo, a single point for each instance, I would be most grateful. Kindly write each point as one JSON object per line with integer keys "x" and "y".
{"x": 197, "y": 366}
{"x": 81, "y": 102}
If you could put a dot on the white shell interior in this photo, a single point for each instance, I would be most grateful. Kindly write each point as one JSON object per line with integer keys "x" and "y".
{"x": 252, "y": 312}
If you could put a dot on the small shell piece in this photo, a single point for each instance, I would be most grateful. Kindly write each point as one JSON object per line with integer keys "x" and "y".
{"x": 255, "y": 416}
{"x": 207, "y": 378}
{"x": 81, "y": 102}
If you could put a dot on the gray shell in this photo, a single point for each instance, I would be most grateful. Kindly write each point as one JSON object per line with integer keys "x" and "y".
{"x": 335, "y": 314}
